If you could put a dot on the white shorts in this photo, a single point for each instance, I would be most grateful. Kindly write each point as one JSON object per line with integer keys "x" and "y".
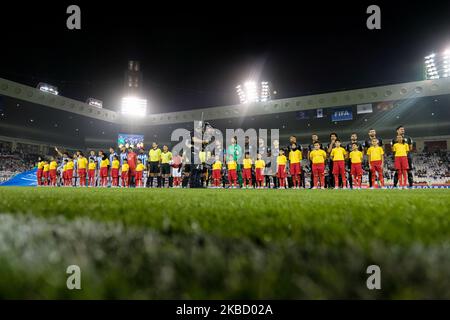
{"x": 176, "y": 172}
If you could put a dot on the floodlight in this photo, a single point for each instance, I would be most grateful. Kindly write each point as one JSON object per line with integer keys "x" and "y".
{"x": 134, "y": 106}
{"x": 45, "y": 87}
{"x": 436, "y": 65}
{"x": 95, "y": 102}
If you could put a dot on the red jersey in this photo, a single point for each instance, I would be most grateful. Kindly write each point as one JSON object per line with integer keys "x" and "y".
{"x": 132, "y": 159}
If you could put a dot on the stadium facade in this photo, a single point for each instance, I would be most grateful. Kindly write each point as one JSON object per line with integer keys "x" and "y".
{"x": 30, "y": 116}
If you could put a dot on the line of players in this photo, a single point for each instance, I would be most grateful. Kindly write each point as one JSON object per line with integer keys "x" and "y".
{"x": 129, "y": 167}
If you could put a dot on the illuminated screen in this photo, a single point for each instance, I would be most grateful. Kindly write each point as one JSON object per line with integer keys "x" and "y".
{"x": 130, "y": 140}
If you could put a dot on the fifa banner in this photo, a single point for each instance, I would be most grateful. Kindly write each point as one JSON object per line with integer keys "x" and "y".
{"x": 364, "y": 108}
{"x": 342, "y": 114}
{"x": 24, "y": 179}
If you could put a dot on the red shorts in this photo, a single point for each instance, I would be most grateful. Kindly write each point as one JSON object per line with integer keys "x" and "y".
{"x": 132, "y": 172}
{"x": 401, "y": 163}
{"x": 91, "y": 173}
{"x": 247, "y": 174}
{"x": 82, "y": 172}
{"x": 375, "y": 166}
{"x": 104, "y": 172}
{"x": 356, "y": 169}
{"x": 69, "y": 174}
{"x": 52, "y": 173}
{"x": 139, "y": 175}
{"x": 259, "y": 172}
{"x": 39, "y": 173}
{"x": 339, "y": 167}
{"x": 232, "y": 175}
{"x": 281, "y": 171}
{"x": 216, "y": 174}
{"x": 318, "y": 168}
{"x": 115, "y": 173}
{"x": 45, "y": 174}
{"x": 295, "y": 168}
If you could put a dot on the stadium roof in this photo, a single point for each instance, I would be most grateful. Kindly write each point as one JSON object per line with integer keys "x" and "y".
{"x": 423, "y": 107}
{"x": 392, "y": 92}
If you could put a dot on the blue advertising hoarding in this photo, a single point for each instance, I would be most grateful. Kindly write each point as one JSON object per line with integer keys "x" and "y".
{"x": 342, "y": 114}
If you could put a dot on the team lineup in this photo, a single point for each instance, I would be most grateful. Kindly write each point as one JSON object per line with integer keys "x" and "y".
{"x": 272, "y": 168}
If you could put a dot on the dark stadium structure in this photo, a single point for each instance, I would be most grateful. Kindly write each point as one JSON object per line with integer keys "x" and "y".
{"x": 28, "y": 115}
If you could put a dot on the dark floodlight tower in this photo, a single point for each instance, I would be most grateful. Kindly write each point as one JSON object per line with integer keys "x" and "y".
{"x": 132, "y": 103}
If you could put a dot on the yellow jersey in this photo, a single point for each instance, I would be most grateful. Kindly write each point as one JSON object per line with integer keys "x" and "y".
{"x": 104, "y": 163}
{"x": 338, "y": 154}
{"x": 140, "y": 167}
{"x": 217, "y": 165}
{"x": 375, "y": 153}
{"x": 53, "y": 165}
{"x": 260, "y": 164}
{"x": 281, "y": 160}
{"x": 41, "y": 165}
{"x": 125, "y": 167}
{"x": 166, "y": 157}
{"x": 115, "y": 164}
{"x": 318, "y": 156}
{"x": 232, "y": 165}
{"x": 247, "y": 163}
{"x": 400, "y": 149}
{"x": 295, "y": 156}
{"x": 154, "y": 155}
{"x": 69, "y": 165}
{"x": 82, "y": 163}
{"x": 46, "y": 167}
{"x": 92, "y": 165}
{"x": 356, "y": 156}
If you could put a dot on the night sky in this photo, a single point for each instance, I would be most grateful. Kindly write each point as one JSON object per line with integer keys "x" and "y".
{"x": 193, "y": 56}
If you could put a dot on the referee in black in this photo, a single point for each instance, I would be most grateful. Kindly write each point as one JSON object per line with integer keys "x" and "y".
{"x": 407, "y": 139}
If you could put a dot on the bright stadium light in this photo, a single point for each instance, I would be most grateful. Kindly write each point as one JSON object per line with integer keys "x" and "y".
{"x": 251, "y": 91}
{"x": 95, "y": 102}
{"x": 45, "y": 87}
{"x": 134, "y": 106}
{"x": 437, "y": 65}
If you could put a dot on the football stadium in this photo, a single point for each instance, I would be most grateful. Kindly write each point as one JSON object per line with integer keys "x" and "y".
{"x": 304, "y": 197}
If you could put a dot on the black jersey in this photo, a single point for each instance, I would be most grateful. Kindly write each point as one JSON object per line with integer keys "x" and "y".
{"x": 349, "y": 147}
{"x": 368, "y": 143}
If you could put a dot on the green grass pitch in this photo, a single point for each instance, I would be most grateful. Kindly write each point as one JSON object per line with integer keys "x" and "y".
{"x": 213, "y": 244}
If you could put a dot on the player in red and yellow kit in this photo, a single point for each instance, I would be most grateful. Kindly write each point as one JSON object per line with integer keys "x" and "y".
{"x": 281, "y": 168}
{"x": 91, "y": 173}
{"x": 232, "y": 173}
{"x": 356, "y": 171}
{"x": 295, "y": 157}
{"x": 338, "y": 155}
{"x": 45, "y": 172}
{"x": 217, "y": 172}
{"x": 260, "y": 164}
{"x": 376, "y": 160}
{"x": 139, "y": 173}
{"x": 40, "y": 169}
{"x": 247, "y": 163}
{"x": 401, "y": 150}
{"x": 115, "y": 171}
{"x": 82, "y": 166}
{"x": 52, "y": 171}
{"x": 125, "y": 174}
{"x": 318, "y": 158}
{"x": 104, "y": 164}
{"x": 69, "y": 171}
